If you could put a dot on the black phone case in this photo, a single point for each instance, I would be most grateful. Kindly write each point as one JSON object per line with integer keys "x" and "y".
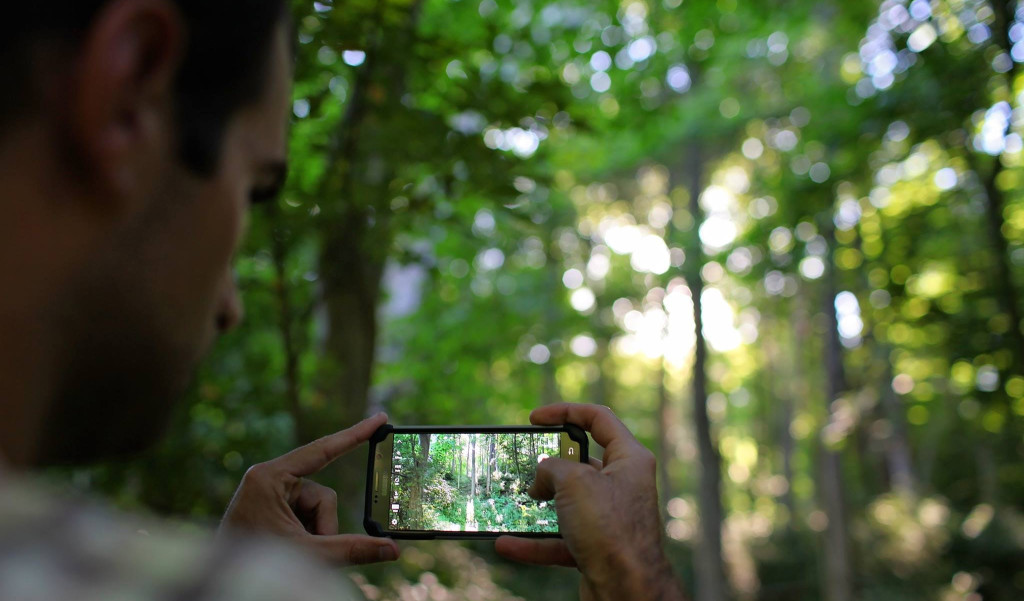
{"x": 373, "y": 528}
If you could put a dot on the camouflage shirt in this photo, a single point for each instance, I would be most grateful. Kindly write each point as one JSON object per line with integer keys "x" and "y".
{"x": 55, "y": 548}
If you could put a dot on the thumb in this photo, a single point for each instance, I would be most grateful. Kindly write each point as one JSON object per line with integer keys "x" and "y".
{"x": 350, "y": 549}
{"x": 552, "y": 474}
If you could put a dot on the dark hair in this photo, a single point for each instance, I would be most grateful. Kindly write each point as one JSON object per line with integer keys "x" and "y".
{"x": 224, "y": 68}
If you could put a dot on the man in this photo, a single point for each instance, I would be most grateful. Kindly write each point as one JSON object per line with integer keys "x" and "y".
{"x": 133, "y": 136}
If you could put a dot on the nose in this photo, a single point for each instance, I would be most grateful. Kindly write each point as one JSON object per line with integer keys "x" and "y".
{"x": 229, "y": 307}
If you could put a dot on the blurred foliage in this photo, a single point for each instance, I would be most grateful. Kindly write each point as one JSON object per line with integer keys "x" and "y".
{"x": 489, "y": 207}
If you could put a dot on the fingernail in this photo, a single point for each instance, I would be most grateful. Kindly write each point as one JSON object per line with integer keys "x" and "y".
{"x": 387, "y": 553}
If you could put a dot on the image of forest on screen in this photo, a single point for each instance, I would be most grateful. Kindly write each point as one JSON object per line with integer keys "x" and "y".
{"x": 470, "y": 482}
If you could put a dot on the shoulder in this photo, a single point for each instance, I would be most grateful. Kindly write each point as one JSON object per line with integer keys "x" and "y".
{"x": 57, "y": 547}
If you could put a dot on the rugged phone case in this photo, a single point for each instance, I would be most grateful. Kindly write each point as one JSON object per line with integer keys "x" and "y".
{"x": 373, "y": 528}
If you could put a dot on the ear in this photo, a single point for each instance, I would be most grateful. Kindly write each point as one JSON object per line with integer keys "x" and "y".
{"x": 122, "y": 100}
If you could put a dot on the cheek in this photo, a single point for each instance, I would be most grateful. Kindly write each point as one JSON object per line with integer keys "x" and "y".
{"x": 216, "y": 228}
{"x": 229, "y": 220}
{"x": 227, "y": 201}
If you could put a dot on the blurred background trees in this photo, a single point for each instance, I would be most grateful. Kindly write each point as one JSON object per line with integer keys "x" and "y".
{"x": 783, "y": 240}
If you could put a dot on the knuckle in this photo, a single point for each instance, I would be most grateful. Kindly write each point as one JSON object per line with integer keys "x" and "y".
{"x": 648, "y": 459}
{"x": 643, "y": 458}
{"x": 576, "y": 479}
{"x": 257, "y": 474}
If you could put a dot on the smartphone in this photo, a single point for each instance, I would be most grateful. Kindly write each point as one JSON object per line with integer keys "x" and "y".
{"x": 426, "y": 482}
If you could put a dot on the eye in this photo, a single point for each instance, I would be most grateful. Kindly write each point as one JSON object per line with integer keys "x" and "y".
{"x": 263, "y": 195}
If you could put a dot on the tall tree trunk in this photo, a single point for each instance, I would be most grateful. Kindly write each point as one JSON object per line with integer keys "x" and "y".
{"x": 351, "y": 290}
{"x": 988, "y": 478}
{"x": 897, "y": 447}
{"x": 784, "y": 379}
{"x": 1003, "y": 282}
{"x": 711, "y": 582}
{"x": 838, "y": 561}
{"x": 1003, "y": 279}
{"x": 357, "y": 238}
{"x": 286, "y": 319}
{"x": 601, "y": 389}
{"x": 664, "y": 444}
{"x": 549, "y": 387}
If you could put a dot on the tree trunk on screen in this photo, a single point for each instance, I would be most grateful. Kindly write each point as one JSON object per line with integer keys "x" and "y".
{"x": 838, "y": 561}
{"x": 472, "y": 466}
{"x": 422, "y": 460}
{"x": 490, "y": 464}
{"x": 515, "y": 457}
{"x": 711, "y": 582}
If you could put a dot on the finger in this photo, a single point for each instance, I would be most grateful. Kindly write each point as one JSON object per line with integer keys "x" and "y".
{"x": 318, "y": 504}
{"x": 353, "y": 549}
{"x": 551, "y": 474}
{"x": 316, "y": 455}
{"x": 549, "y": 552}
{"x": 599, "y": 420}
{"x": 596, "y": 463}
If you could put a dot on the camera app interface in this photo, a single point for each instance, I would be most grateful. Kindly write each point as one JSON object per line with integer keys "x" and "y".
{"x": 470, "y": 482}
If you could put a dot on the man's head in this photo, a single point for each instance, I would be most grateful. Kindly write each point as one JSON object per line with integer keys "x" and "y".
{"x": 138, "y": 134}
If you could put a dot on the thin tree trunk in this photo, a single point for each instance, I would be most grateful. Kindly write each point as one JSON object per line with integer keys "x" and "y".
{"x": 897, "y": 446}
{"x": 784, "y": 377}
{"x": 838, "y": 561}
{"x": 549, "y": 391}
{"x": 711, "y": 582}
{"x": 286, "y": 324}
{"x": 664, "y": 452}
{"x": 988, "y": 479}
{"x": 601, "y": 389}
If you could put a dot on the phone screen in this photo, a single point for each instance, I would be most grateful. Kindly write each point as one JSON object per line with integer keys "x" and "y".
{"x": 468, "y": 482}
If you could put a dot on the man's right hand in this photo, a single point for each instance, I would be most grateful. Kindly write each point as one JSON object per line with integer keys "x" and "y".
{"x": 607, "y": 513}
